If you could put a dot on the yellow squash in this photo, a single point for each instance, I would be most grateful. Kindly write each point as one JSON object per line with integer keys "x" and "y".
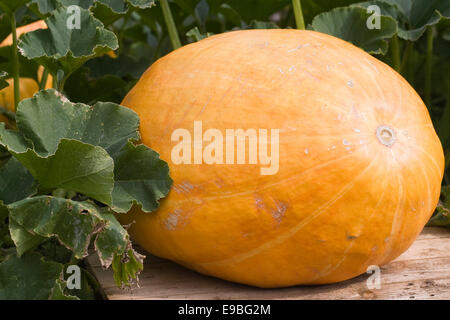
{"x": 359, "y": 171}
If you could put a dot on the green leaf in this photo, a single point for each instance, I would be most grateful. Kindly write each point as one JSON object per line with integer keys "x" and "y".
{"x": 413, "y": 16}
{"x": 58, "y": 292}
{"x": 47, "y": 6}
{"x": 350, "y": 24}
{"x": 418, "y": 15}
{"x": 113, "y": 239}
{"x": 67, "y": 49}
{"x": 23, "y": 239}
{"x": 116, "y": 6}
{"x": 75, "y": 166}
{"x": 16, "y": 182}
{"x": 72, "y": 222}
{"x": 142, "y": 4}
{"x": 127, "y": 267}
{"x": 312, "y": 8}
{"x": 47, "y": 118}
{"x": 28, "y": 278}
{"x": 195, "y": 34}
{"x": 4, "y": 212}
{"x": 10, "y": 6}
{"x": 3, "y": 82}
{"x": 82, "y": 88}
{"x": 141, "y": 177}
{"x": 28, "y": 68}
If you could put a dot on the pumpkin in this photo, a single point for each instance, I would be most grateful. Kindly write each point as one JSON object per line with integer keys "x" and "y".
{"x": 28, "y": 87}
{"x": 359, "y": 163}
{"x": 8, "y": 41}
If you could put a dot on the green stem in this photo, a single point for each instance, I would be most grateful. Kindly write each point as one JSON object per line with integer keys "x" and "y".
{"x": 442, "y": 127}
{"x": 173, "y": 33}
{"x": 62, "y": 84}
{"x": 395, "y": 53}
{"x": 428, "y": 66}
{"x": 122, "y": 29}
{"x": 298, "y": 14}
{"x": 15, "y": 63}
{"x": 406, "y": 55}
{"x": 55, "y": 82}
{"x": 43, "y": 79}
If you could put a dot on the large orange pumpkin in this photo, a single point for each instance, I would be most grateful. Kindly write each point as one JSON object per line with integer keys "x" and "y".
{"x": 360, "y": 165}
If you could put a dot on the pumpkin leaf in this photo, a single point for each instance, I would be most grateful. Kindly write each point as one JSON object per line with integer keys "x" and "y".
{"x": 16, "y": 182}
{"x": 3, "y": 212}
{"x": 114, "y": 239}
{"x": 72, "y": 222}
{"x": 116, "y": 6}
{"x": 195, "y": 34}
{"x": 91, "y": 90}
{"x": 58, "y": 292}
{"x": 74, "y": 166}
{"x": 127, "y": 267}
{"x": 29, "y": 277}
{"x": 312, "y": 8}
{"x": 72, "y": 149}
{"x": 23, "y": 239}
{"x": 10, "y": 6}
{"x": 350, "y": 24}
{"x": 47, "y": 118}
{"x": 62, "y": 48}
{"x": 28, "y": 68}
{"x": 141, "y": 177}
{"x": 413, "y": 16}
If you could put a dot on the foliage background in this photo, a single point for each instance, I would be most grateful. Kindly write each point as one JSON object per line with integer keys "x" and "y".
{"x": 414, "y": 39}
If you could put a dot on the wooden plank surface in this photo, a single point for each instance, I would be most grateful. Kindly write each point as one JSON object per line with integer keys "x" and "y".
{"x": 422, "y": 272}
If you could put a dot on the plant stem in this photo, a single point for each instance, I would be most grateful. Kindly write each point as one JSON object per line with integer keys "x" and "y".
{"x": 43, "y": 82}
{"x": 300, "y": 22}
{"x": 428, "y": 66}
{"x": 122, "y": 29}
{"x": 406, "y": 55}
{"x": 395, "y": 53}
{"x": 15, "y": 62}
{"x": 442, "y": 127}
{"x": 168, "y": 18}
{"x": 62, "y": 84}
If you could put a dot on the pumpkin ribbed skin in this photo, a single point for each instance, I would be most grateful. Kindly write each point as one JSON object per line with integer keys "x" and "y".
{"x": 341, "y": 200}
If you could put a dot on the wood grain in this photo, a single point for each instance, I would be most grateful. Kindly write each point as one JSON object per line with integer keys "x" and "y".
{"x": 422, "y": 272}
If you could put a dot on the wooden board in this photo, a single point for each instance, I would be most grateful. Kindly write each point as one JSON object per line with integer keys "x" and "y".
{"x": 422, "y": 272}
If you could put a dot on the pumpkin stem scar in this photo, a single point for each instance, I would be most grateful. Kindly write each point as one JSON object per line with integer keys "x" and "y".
{"x": 386, "y": 135}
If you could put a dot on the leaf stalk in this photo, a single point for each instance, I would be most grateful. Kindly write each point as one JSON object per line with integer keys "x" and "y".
{"x": 395, "y": 53}
{"x": 15, "y": 62}
{"x": 428, "y": 66}
{"x": 300, "y": 22}
{"x": 168, "y": 18}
